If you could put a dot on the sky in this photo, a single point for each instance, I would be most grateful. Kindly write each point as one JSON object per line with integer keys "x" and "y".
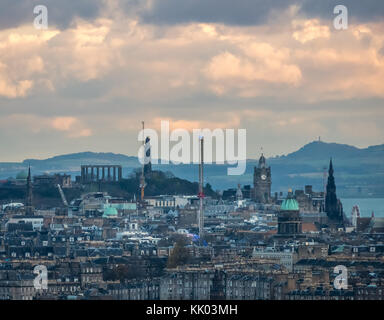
{"x": 278, "y": 69}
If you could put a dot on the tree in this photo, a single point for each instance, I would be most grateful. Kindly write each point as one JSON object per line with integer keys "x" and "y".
{"x": 179, "y": 256}
{"x": 122, "y": 272}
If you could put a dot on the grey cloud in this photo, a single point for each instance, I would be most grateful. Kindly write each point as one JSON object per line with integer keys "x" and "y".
{"x": 60, "y": 13}
{"x": 168, "y": 12}
{"x": 253, "y": 12}
{"x": 242, "y": 12}
{"x": 362, "y": 11}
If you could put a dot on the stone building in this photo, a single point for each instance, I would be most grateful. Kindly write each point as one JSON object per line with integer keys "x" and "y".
{"x": 186, "y": 285}
{"x": 289, "y": 220}
{"x": 309, "y": 200}
{"x": 216, "y": 284}
{"x": 262, "y": 181}
{"x": 101, "y": 173}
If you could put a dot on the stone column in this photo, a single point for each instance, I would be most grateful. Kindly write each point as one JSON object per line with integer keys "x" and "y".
{"x": 92, "y": 175}
{"x": 120, "y": 175}
{"x": 98, "y": 173}
{"x": 103, "y": 172}
{"x": 109, "y": 173}
{"x": 114, "y": 173}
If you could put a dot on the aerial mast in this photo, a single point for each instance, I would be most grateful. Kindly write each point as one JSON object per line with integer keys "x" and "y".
{"x": 325, "y": 176}
{"x": 201, "y": 189}
{"x": 142, "y": 178}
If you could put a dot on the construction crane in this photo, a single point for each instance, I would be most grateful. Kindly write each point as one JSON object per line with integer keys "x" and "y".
{"x": 62, "y": 196}
{"x": 142, "y": 178}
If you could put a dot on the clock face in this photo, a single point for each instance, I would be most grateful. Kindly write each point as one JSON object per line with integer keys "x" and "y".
{"x": 263, "y": 177}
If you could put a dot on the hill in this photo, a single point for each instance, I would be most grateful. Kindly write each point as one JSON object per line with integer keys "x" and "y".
{"x": 158, "y": 183}
{"x": 359, "y": 172}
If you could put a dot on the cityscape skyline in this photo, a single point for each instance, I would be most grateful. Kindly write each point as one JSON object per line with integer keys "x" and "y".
{"x": 209, "y": 152}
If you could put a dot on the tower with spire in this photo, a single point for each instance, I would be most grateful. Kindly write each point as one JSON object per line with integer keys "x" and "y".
{"x": 29, "y": 198}
{"x": 333, "y": 206}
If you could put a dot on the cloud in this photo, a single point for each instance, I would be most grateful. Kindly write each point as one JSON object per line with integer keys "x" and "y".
{"x": 63, "y": 123}
{"x": 252, "y": 12}
{"x": 60, "y": 13}
{"x": 22, "y": 66}
{"x": 285, "y": 78}
{"x": 244, "y": 12}
{"x": 31, "y": 58}
{"x": 13, "y": 89}
{"x": 358, "y": 11}
{"x": 72, "y": 126}
{"x": 307, "y": 30}
{"x": 144, "y": 61}
{"x": 260, "y": 63}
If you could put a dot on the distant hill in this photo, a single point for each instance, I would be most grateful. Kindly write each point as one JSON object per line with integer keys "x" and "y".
{"x": 358, "y": 172}
{"x": 322, "y": 150}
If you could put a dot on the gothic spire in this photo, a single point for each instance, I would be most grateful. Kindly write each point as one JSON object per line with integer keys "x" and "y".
{"x": 333, "y": 206}
{"x": 330, "y": 168}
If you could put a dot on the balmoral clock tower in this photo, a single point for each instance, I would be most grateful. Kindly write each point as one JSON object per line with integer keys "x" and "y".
{"x": 262, "y": 182}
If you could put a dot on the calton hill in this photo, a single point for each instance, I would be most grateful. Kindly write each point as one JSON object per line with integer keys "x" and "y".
{"x": 157, "y": 183}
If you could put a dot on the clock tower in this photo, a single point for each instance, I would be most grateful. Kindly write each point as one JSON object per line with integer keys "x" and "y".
{"x": 262, "y": 182}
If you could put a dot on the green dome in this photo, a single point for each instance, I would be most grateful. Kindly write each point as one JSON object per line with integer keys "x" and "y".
{"x": 289, "y": 204}
{"x": 110, "y": 212}
{"x": 22, "y": 175}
